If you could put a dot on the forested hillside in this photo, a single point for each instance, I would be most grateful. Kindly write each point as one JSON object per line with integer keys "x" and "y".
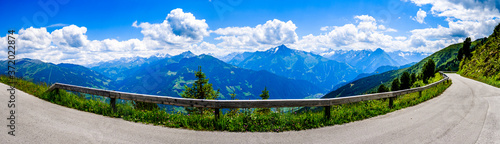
{"x": 484, "y": 61}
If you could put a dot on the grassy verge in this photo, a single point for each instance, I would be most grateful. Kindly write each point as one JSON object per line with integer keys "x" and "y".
{"x": 239, "y": 122}
{"x": 486, "y": 80}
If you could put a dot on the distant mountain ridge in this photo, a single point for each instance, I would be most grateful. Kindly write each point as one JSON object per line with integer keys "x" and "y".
{"x": 366, "y": 61}
{"x": 287, "y": 73}
{"x": 114, "y": 69}
{"x": 168, "y": 75}
{"x": 118, "y": 69}
{"x": 170, "y": 78}
{"x": 300, "y": 65}
{"x": 405, "y": 57}
{"x": 38, "y": 71}
{"x": 238, "y": 58}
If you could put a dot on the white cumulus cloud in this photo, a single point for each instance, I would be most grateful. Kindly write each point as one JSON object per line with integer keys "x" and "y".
{"x": 34, "y": 38}
{"x": 466, "y": 18}
{"x": 325, "y": 28}
{"x": 70, "y": 45}
{"x": 421, "y": 14}
{"x": 178, "y": 28}
{"x": 364, "y": 34}
{"x": 273, "y": 32}
{"x": 70, "y": 36}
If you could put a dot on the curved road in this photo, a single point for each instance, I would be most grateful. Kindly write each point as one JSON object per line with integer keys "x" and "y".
{"x": 467, "y": 112}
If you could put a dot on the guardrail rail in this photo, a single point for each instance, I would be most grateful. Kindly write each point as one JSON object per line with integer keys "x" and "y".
{"x": 218, "y": 104}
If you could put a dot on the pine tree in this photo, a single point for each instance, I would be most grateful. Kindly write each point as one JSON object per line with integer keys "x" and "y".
{"x": 460, "y": 54}
{"x": 413, "y": 78}
{"x": 428, "y": 70}
{"x": 466, "y": 48}
{"x": 382, "y": 88}
{"x": 201, "y": 89}
{"x": 395, "y": 85}
{"x": 233, "y": 96}
{"x": 405, "y": 81}
{"x": 264, "y": 96}
{"x": 496, "y": 31}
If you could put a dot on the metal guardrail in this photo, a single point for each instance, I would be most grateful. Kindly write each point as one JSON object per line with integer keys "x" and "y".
{"x": 218, "y": 104}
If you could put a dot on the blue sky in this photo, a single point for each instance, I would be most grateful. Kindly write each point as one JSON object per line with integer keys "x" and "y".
{"x": 92, "y": 31}
{"x": 110, "y": 19}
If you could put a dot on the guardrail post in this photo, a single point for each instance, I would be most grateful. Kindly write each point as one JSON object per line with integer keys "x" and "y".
{"x": 112, "y": 102}
{"x": 328, "y": 113}
{"x": 420, "y": 94}
{"x": 217, "y": 113}
{"x": 391, "y": 102}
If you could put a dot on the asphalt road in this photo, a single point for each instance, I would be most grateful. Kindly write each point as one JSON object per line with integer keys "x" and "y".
{"x": 467, "y": 112}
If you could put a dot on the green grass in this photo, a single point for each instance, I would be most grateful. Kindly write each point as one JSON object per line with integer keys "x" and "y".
{"x": 249, "y": 120}
{"x": 486, "y": 80}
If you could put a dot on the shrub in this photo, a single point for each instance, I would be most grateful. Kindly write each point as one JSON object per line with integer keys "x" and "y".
{"x": 145, "y": 106}
{"x": 382, "y": 88}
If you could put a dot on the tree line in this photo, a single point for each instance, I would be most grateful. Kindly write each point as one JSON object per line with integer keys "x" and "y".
{"x": 407, "y": 80}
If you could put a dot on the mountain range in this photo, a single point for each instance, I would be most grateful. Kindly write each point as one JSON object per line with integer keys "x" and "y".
{"x": 38, "y": 71}
{"x": 161, "y": 78}
{"x": 367, "y": 61}
{"x": 167, "y": 75}
{"x": 405, "y": 57}
{"x": 287, "y": 73}
{"x": 115, "y": 69}
{"x": 445, "y": 59}
{"x": 299, "y": 65}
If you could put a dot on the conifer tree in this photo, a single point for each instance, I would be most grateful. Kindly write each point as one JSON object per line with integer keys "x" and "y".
{"x": 413, "y": 78}
{"x": 200, "y": 89}
{"x": 395, "y": 85}
{"x": 428, "y": 70}
{"x": 460, "y": 54}
{"x": 405, "y": 81}
{"x": 233, "y": 96}
{"x": 466, "y": 48}
{"x": 264, "y": 96}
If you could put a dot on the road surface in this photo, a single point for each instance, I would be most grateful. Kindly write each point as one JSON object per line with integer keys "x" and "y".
{"x": 467, "y": 112}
